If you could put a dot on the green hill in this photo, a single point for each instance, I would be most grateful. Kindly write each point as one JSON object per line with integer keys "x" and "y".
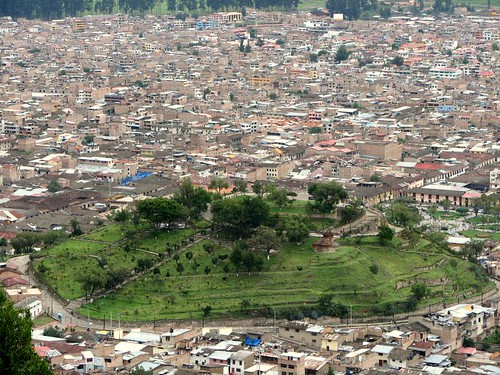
{"x": 290, "y": 282}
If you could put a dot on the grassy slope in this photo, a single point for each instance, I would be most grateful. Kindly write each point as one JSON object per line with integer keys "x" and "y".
{"x": 344, "y": 273}
{"x": 67, "y": 261}
{"x": 294, "y": 277}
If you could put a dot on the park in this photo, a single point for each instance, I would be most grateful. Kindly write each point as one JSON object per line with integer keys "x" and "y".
{"x": 164, "y": 261}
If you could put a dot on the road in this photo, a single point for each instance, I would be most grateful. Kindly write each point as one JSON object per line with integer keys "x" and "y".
{"x": 51, "y": 305}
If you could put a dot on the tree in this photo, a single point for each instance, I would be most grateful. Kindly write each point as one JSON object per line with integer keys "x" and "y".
{"x": 206, "y": 311}
{"x": 160, "y": 211}
{"x": 327, "y": 306}
{"x": 3, "y": 245}
{"x": 239, "y": 216}
{"x": 209, "y": 247}
{"x": 207, "y": 270}
{"x": 326, "y": 196}
{"x": 259, "y": 42}
{"x": 296, "y": 230}
{"x": 17, "y": 356}
{"x": 91, "y": 281}
{"x": 351, "y": 211}
{"x": 76, "y": 230}
{"x": 236, "y": 256}
{"x": 24, "y": 242}
{"x": 432, "y": 210}
{"x": 402, "y": 214}
{"x": 259, "y": 188}
{"x": 351, "y": 9}
{"x": 240, "y": 185}
{"x": 218, "y": 184}
{"x": 265, "y": 239}
{"x": 53, "y": 332}
{"x": 385, "y": 12}
{"x": 195, "y": 199}
{"x": 179, "y": 268}
{"x": 385, "y": 234}
{"x": 398, "y": 60}
{"x": 122, "y": 216}
{"x": 342, "y": 54}
{"x": 472, "y": 250}
{"x": 375, "y": 178}
{"x": 468, "y": 342}
{"x": 248, "y": 260}
{"x": 53, "y": 186}
{"x": 189, "y": 255}
{"x": 374, "y": 269}
{"x": 445, "y": 204}
{"x": 88, "y": 139}
{"x": 279, "y": 197}
{"x": 140, "y": 371}
{"x": 419, "y": 291}
{"x": 116, "y": 276}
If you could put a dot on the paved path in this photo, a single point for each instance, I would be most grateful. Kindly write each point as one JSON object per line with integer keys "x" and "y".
{"x": 51, "y": 304}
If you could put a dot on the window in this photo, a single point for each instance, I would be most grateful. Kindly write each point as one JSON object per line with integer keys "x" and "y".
{"x": 291, "y": 366}
{"x": 314, "y": 341}
{"x": 283, "y": 365}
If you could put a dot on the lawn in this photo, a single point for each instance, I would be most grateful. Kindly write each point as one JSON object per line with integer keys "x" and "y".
{"x": 295, "y": 277}
{"x": 42, "y": 320}
{"x": 483, "y": 219}
{"x": 109, "y": 233}
{"x": 296, "y": 208}
{"x": 311, "y": 4}
{"x": 62, "y": 265}
{"x": 450, "y": 215}
{"x": 482, "y": 235}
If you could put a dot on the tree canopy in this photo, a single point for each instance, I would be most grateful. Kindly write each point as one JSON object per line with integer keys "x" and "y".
{"x": 326, "y": 196}
{"x": 17, "y": 356}
{"x": 70, "y": 8}
{"x": 239, "y": 216}
{"x": 160, "y": 211}
{"x": 195, "y": 199}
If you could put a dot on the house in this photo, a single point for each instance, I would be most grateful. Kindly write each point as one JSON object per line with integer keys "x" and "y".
{"x": 291, "y": 363}
{"x": 33, "y": 304}
{"x": 382, "y": 354}
{"x": 436, "y": 360}
{"x": 302, "y": 332}
{"x": 179, "y": 338}
{"x": 402, "y": 359}
{"x": 316, "y": 365}
{"x": 240, "y": 361}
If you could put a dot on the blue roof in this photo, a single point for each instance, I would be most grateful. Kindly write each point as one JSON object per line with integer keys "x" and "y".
{"x": 250, "y": 341}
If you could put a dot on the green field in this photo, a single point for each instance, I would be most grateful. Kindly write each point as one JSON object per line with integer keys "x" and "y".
{"x": 65, "y": 263}
{"x": 296, "y": 277}
{"x": 482, "y": 235}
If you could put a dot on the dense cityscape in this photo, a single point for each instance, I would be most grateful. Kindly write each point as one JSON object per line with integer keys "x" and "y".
{"x": 251, "y": 189}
